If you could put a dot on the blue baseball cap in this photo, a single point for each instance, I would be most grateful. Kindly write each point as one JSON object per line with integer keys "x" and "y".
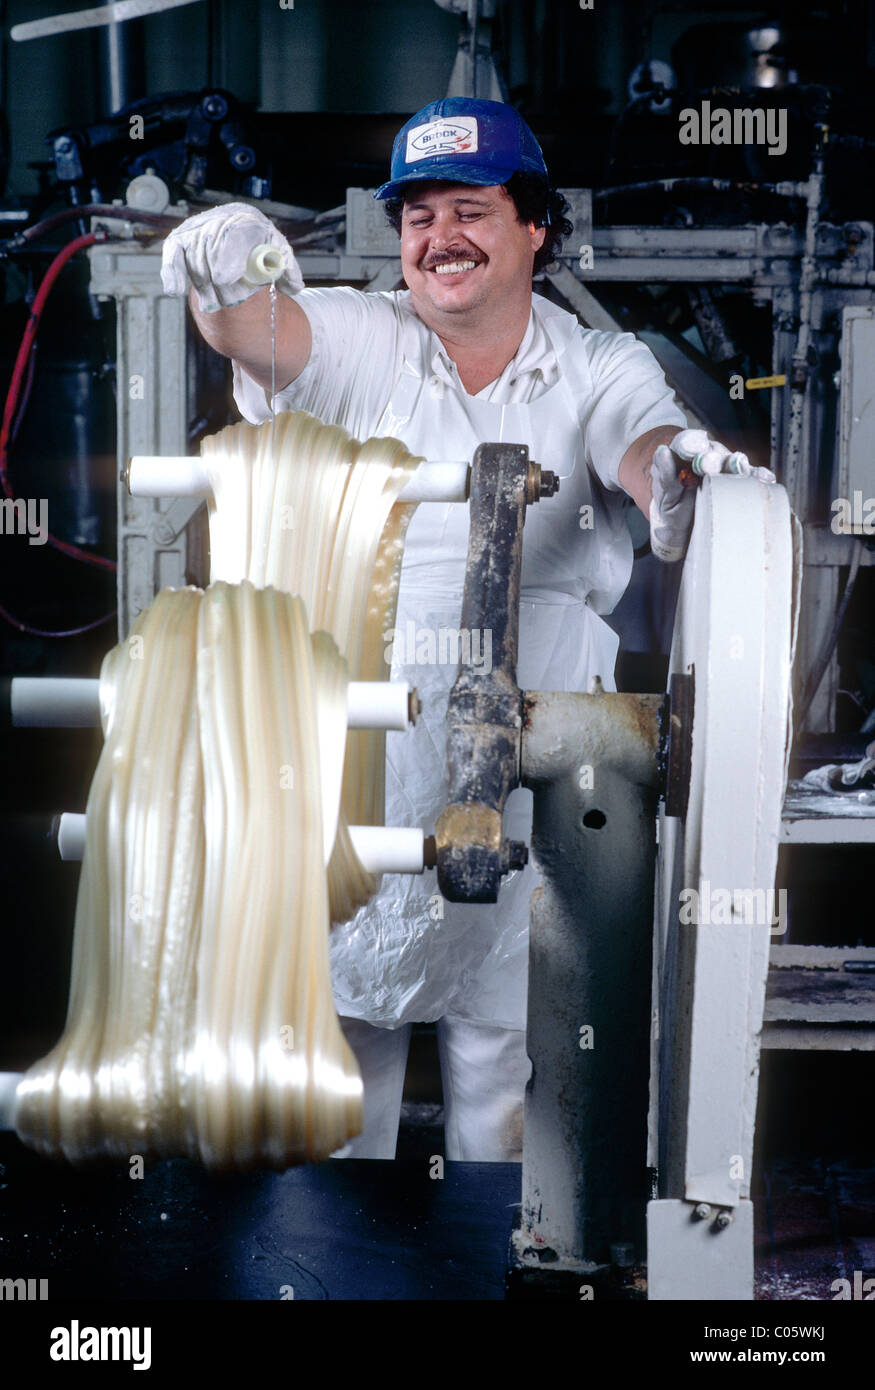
{"x": 463, "y": 140}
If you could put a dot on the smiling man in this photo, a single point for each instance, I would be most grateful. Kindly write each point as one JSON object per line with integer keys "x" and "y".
{"x": 466, "y": 354}
{"x": 467, "y": 260}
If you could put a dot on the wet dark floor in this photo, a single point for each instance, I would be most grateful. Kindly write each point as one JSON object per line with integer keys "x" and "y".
{"x": 355, "y": 1229}
{"x": 815, "y": 1226}
{"x": 344, "y": 1229}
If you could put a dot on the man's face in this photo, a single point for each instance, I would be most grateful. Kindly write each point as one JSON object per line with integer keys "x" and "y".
{"x": 462, "y": 247}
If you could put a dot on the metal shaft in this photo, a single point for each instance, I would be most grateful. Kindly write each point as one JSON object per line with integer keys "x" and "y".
{"x": 62, "y": 702}
{"x": 184, "y": 475}
{"x": 382, "y": 849}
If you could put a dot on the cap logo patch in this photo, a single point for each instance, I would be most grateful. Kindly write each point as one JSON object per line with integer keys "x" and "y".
{"x": 458, "y": 136}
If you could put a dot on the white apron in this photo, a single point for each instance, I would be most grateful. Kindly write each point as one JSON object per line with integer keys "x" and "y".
{"x": 409, "y": 956}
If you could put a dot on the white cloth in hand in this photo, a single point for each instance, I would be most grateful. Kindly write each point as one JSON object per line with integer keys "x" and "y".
{"x": 210, "y": 251}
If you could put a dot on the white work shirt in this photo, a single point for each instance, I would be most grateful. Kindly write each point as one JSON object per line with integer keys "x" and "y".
{"x": 360, "y": 342}
{"x": 577, "y": 399}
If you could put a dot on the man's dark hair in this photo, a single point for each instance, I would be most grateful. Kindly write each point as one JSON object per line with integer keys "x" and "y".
{"x": 534, "y": 200}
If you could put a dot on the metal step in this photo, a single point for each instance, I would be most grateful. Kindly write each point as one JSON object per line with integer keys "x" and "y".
{"x": 820, "y": 998}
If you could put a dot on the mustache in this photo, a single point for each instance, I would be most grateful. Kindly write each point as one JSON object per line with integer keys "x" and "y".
{"x": 450, "y": 257}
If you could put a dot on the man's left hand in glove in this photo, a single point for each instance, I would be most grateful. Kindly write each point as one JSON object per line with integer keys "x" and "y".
{"x": 662, "y": 471}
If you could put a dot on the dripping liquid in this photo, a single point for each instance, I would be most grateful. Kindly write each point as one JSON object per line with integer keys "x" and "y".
{"x": 272, "y": 362}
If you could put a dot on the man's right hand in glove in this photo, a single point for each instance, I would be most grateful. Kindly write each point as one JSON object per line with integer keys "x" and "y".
{"x": 208, "y": 255}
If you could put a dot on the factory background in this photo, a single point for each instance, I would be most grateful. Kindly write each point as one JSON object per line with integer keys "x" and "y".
{"x": 310, "y": 98}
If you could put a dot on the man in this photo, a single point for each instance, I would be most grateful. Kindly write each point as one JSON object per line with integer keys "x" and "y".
{"x": 465, "y": 355}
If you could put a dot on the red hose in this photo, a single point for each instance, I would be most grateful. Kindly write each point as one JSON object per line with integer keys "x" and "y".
{"x": 17, "y": 378}
{"x": 162, "y": 221}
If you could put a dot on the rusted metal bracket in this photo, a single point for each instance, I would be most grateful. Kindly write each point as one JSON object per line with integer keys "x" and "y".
{"x": 484, "y": 718}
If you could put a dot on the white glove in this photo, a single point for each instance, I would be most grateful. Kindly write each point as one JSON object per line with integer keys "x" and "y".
{"x": 673, "y": 503}
{"x": 210, "y": 251}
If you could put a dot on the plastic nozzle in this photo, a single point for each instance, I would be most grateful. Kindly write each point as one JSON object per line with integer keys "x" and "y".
{"x": 265, "y": 264}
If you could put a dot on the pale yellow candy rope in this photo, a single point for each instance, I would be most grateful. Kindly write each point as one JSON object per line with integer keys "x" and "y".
{"x": 315, "y": 513}
{"x": 201, "y": 1019}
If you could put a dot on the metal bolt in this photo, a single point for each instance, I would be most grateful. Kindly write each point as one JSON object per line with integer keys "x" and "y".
{"x": 414, "y": 705}
{"x": 702, "y": 1211}
{"x": 723, "y": 1219}
{"x": 539, "y": 483}
{"x": 215, "y": 107}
